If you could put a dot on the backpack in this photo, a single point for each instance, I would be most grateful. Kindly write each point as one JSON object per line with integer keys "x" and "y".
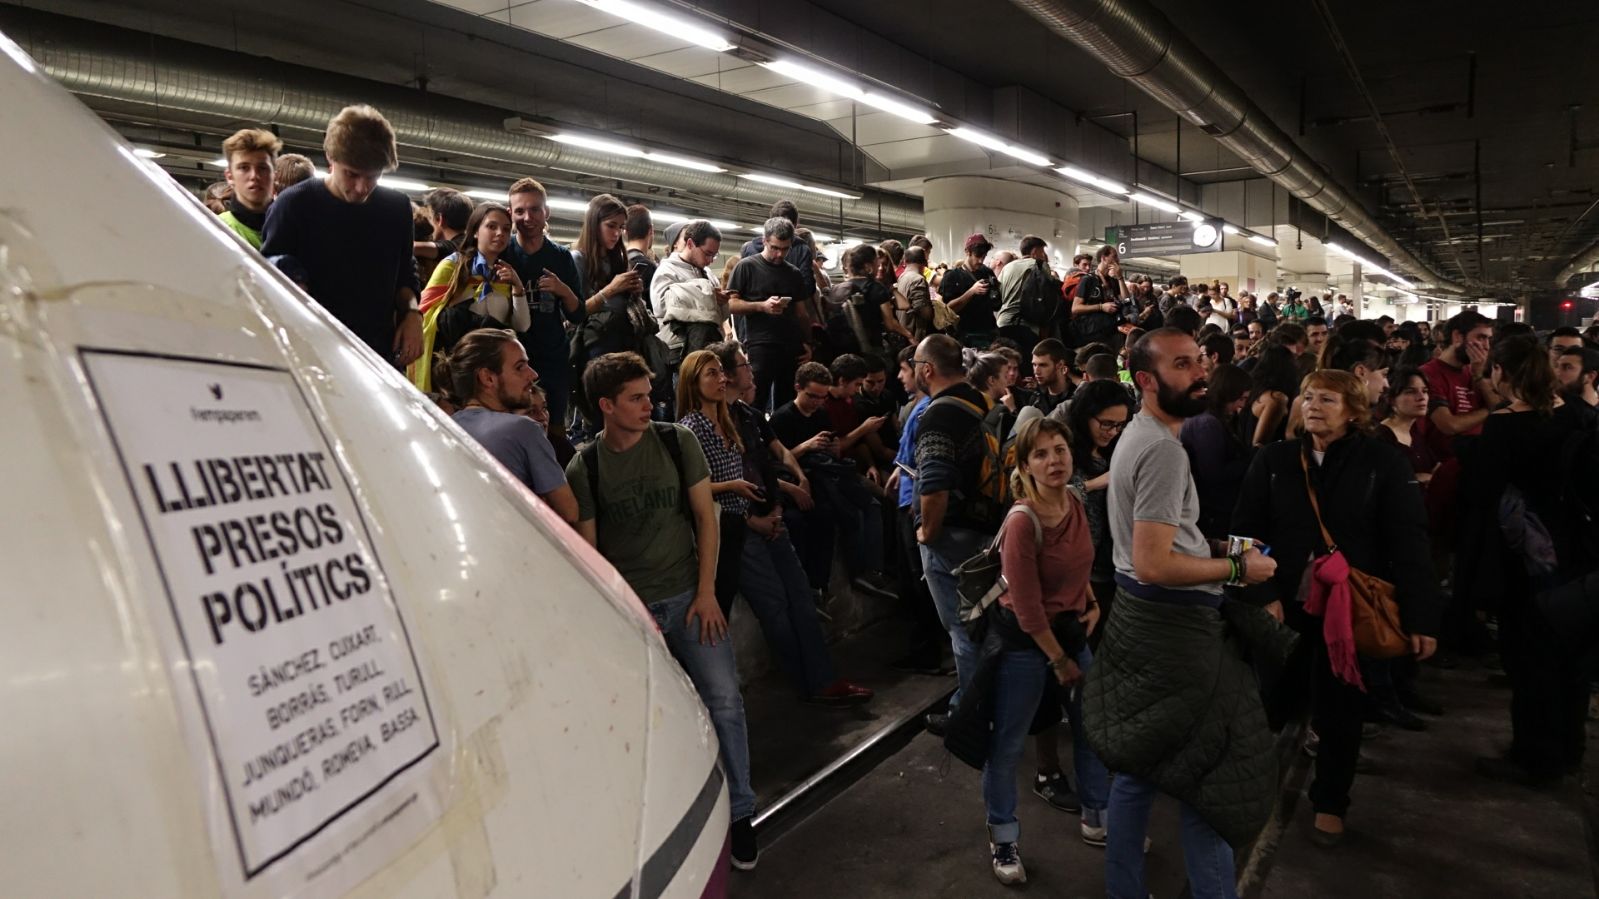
{"x": 999, "y": 460}
{"x": 1040, "y": 296}
{"x": 980, "y": 583}
{"x": 670, "y": 437}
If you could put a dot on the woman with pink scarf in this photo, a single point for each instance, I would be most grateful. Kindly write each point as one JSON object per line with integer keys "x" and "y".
{"x": 1372, "y": 507}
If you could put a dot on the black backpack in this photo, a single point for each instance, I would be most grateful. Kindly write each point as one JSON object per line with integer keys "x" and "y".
{"x": 1040, "y": 296}
{"x": 669, "y": 436}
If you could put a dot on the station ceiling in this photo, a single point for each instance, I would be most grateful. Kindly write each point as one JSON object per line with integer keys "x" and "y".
{"x": 1492, "y": 176}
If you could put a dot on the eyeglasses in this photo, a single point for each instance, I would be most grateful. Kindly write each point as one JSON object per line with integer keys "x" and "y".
{"x": 819, "y": 397}
{"x": 1110, "y": 425}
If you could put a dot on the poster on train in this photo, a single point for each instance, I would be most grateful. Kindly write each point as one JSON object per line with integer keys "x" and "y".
{"x": 315, "y": 728}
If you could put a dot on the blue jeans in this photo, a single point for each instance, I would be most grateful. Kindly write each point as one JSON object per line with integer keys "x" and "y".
{"x": 715, "y": 676}
{"x": 1020, "y": 686}
{"x": 1207, "y": 856}
{"x": 773, "y": 582}
{"x": 939, "y": 558}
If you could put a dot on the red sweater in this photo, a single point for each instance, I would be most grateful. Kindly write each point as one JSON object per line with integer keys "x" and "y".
{"x": 1045, "y": 582}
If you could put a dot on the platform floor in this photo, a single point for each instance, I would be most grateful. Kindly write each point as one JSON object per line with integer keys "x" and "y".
{"x": 1424, "y": 826}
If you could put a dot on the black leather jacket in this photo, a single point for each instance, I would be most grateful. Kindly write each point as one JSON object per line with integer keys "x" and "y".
{"x": 1373, "y": 508}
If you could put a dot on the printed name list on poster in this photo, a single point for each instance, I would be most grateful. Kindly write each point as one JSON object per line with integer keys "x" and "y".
{"x": 306, "y": 675}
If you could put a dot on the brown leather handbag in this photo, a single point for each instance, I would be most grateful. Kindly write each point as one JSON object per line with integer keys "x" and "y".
{"x": 1372, "y": 609}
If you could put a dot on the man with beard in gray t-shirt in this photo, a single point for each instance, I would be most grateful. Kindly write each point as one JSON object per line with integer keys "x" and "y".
{"x": 1164, "y": 570}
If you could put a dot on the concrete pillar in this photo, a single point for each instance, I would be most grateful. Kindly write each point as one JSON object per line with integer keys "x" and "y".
{"x": 1242, "y": 271}
{"x": 1004, "y": 211}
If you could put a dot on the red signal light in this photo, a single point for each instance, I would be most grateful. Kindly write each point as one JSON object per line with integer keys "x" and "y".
{"x": 1566, "y": 305}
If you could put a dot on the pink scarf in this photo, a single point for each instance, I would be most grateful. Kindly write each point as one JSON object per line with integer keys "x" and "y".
{"x": 1330, "y": 599}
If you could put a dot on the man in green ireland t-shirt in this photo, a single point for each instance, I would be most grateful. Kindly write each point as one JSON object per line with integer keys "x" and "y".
{"x": 647, "y": 507}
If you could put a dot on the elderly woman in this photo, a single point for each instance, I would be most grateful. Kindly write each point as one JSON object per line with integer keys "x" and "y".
{"x": 1371, "y": 505}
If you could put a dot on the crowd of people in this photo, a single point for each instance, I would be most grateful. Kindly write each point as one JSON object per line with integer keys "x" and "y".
{"x": 1191, "y": 499}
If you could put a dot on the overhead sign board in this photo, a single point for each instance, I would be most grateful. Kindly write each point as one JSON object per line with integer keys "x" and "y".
{"x": 1164, "y": 239}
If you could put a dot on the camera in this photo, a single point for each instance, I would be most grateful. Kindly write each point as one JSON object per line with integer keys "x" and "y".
{"x": 1293, "y": 293}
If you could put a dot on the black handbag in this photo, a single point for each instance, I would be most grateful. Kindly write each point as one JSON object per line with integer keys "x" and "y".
{"x": 980, "y": 583}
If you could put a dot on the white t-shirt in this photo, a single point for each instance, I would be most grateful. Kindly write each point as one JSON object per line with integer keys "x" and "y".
{"x": 1220, "y": 321}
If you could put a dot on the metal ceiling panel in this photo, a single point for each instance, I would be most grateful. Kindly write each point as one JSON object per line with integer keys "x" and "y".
{"x": 747, "y": 80}
{"x": 561, "y": 19}
{"x": 691, "y": 62}
{"x": 478, "y": 7}
{"x": 795, "y": 96}
{"x": 629, "y": 42}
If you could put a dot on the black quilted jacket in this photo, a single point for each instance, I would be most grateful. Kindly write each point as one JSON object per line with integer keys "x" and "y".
{"x": 1172, "y": 699}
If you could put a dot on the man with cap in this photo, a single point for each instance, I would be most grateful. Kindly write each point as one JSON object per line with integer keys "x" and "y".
{"x": 972, "y": 291}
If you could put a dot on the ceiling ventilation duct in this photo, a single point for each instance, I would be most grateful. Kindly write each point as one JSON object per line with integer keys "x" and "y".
{"x": 1137, "y": 42}
{"x": 131, "y": 78}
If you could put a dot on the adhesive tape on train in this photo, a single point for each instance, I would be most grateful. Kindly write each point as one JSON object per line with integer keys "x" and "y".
{"x": 312, "y": 700}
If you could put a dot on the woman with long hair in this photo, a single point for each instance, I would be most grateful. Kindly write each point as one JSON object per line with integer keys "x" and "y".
{"x": 619, "y": 314}
{"x": 1217, "y": 455}
{"x": 1366, "y": 497}
{"x": 1504, "y": 489}
{"x": 1274, "y": 382}
{"x": 1040, "y": 629}
{"x": 1095, "y": 418}
{"x": 702, "y": 407}
{"x": 475, "y": 287}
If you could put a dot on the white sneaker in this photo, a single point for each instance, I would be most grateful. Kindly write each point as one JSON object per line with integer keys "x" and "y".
{"x": 1008, "y": 863}
{"x": 1093, "y": 827}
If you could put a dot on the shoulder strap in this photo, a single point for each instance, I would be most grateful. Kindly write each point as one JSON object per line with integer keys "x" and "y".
{"x": 591, "y": 466}
{"x": 674, "y": 448}
{"x": 1038, "y": 526}
{"x": 970, "y": 407}
{"x": 1315, "y": 506}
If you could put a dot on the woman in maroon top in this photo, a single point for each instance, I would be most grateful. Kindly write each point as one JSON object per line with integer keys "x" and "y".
{"x": 1048, "y": 600}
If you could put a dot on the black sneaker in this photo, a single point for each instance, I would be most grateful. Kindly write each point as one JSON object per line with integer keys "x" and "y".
{"x": 1392, "y": 711}
{"x": 936, "y": 723}
{"x": 1508, "y": 771}
{"x": 1420, "y": 702}
{"x": 1056, "y": 790}
{"x": 745, "y": 850}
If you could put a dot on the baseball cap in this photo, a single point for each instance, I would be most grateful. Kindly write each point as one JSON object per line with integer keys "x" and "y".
{"x": 975, "y": 241}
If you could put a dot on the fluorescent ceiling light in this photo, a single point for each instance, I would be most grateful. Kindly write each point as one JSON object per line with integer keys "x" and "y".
{"x": 650, "y": 17}
{"x": 494, "y": 196}
{"x": 602, "y": 145}
{"x": 993, "y": 143}
{"x": 667, "y": 217}
{"x": 1228, "y": 229}
{"x": 816, "y": 78}
{"x": 903, "y": 110}
{"x": 774, "y": 181}
{"x": 1263, "y": 241}
{"x": 829, "y": 193}
{"x": 1157, "y": 202}
{"x": 142, "y": 153}
{"x": 821, "y": 238}
{"x": 720, "y": 225}
{"x": 220, "y": 163}
{"x": 569, "y": 205}
{"x": 682, "y": 162}
{"x": 1091, "y": 179}
{"x": 1190, "y": 216}
{"x": 595, "y": 143}
{"x": 405, "y": 184}
{"x": 833, "y": 84}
